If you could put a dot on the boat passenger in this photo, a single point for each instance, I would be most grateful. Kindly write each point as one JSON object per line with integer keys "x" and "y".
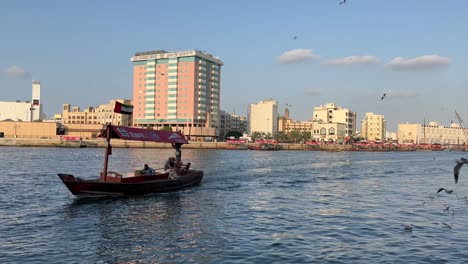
{"x": 169, "y": 164}
{"x": 148, "y": 170}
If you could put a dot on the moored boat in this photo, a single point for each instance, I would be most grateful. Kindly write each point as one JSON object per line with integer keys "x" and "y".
{"x": 114, "y": 183}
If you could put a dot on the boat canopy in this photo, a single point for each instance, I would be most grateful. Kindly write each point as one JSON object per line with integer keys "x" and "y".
{"x": 143, "y": 134}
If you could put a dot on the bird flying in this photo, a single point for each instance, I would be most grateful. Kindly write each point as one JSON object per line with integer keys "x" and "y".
{"x": 456, "y": 170}
{"x": 383, "y": 96}
{"x": 344, "y": 2}
{"x": 448, "y": 191}
{"x": 295, "y": 37}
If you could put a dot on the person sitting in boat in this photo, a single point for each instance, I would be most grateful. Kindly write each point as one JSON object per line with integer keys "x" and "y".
{"x": 172, "y": 167}
{"x": 147, "y": 170}
{"x": 170, "y": 163}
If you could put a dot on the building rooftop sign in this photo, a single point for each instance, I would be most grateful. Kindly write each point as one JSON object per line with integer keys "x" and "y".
{"x": 161, "y": 54}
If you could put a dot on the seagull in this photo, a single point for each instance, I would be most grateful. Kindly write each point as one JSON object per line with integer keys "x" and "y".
{"x": 409, "y": 227}
{"x": 456, "y": 170}
{"x": 344, "y": 2}
{"x": 448, "y": 191}
{"x": 383, "y": 96}
{"x": 447, "y": 225}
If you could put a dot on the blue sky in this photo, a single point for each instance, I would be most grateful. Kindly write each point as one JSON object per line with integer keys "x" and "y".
{"x": 350, "y": 54}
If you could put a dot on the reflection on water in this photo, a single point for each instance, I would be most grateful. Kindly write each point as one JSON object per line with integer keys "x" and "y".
{"x": 251, "y": 207}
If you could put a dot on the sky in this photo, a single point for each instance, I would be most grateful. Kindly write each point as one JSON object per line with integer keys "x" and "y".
{"x": 303, "y": 53}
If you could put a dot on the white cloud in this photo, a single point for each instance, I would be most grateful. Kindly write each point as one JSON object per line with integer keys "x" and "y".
{"x": 425, "y": 62}
{"x": 312, "y": 92}
{"x": 352, "y": 60}
{"x": 15, "y": 71}
{"x": 297, "y": 55}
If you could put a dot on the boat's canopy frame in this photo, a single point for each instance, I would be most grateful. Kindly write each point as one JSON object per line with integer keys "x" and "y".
{"x": 177, "y": 139}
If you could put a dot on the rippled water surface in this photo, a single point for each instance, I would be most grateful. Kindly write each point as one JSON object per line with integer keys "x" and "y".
{"x": 251, "y": 207}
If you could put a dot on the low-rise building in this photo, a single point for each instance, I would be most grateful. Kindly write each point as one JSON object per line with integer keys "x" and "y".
{"x": 432, "y": 133}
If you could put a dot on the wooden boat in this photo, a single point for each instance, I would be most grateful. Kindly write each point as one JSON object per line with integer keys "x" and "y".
{"x": 265, "y": 144}
{"x": 237, "y": 144}
{"x": 113, "y": 183}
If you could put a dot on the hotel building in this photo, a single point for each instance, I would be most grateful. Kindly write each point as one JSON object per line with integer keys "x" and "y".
{"x": 373, "y": 127}
{"x": 180, "y": 90}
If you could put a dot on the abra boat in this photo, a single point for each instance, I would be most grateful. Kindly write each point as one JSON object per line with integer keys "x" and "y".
{"x": 265, "y": 144}
{"x": 114, "y": 183}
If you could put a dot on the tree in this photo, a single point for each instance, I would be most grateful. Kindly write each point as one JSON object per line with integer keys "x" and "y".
{"x": 235, "y": 134}
{"x": 295, "y": 135}
{"x": 166, "y": 128}
{"x": 256, "y": 135}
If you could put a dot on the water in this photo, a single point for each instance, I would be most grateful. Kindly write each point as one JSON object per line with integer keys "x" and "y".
{"x": 251, "y": 207}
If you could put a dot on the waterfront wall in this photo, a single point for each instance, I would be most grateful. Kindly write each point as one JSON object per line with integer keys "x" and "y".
{"x": 116, "y": 143}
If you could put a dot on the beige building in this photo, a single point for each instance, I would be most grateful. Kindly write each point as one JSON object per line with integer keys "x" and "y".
{"x": 100, "y": 115}
{"x": 263, "y": 117}
{"x": 331, "y": 113}
{"x": 431, "y": 133}
{"x": 373, "y": 127}
{"x": 286, "y": 124}
{"x": 11, "y": 129}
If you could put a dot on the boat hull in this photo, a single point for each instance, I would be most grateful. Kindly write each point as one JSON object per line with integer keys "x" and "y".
{"x": 131, "y": 186}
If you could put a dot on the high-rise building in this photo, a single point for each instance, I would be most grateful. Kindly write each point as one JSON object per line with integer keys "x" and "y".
{"x": 373, "y": 127}
{"x": 263, "y": 117}
{"x": 180, "y": 90}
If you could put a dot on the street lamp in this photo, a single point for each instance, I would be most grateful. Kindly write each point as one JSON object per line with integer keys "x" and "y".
{"x": 267, "y": 128}
{"x": 15, "y": 126}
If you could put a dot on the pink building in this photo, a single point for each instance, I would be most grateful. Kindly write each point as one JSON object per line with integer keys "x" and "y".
{"x": 177, "y": 89}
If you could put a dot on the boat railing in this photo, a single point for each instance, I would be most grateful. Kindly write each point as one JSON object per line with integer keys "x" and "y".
{"x": 113, "y": 176}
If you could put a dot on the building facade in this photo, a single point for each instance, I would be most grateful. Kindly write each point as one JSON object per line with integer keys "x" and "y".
{"x": 331, "y": 113}
{"x": 286, "y": 124}
{"x": 263, "y": 117}
{"x": 373, "y": 127}
{"x": 180, "y": 90}
{"x": 24, "y": 111}
{"x": 432, "y": 133}
{"x": 99, "y": 115}
{"x": 231, "y": 122}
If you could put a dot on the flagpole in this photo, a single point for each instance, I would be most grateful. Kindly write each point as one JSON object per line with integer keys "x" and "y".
{"x": 113, "y": 113}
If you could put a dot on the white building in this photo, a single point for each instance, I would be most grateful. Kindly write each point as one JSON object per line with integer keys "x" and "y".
{"x": 24, "y": 111}
{"x": 263, "y": 117}
{"x": 331, "y": 113}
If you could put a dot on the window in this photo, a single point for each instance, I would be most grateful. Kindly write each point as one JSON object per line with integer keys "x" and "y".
{"x": 323, "y": 131}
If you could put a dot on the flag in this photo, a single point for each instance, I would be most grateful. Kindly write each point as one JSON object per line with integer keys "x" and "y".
{"x": 123, "y": 108}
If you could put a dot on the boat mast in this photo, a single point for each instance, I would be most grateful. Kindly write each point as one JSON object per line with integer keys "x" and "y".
{"x": 108, "y": 152}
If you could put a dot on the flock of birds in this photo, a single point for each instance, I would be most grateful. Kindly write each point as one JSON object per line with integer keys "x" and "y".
{"x": 447, "y": 209}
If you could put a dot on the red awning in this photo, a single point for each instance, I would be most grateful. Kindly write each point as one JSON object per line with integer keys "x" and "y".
{"x": 142, "y": 134}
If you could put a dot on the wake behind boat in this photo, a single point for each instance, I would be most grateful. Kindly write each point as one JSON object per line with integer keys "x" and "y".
{"x": 112, "y": 183}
